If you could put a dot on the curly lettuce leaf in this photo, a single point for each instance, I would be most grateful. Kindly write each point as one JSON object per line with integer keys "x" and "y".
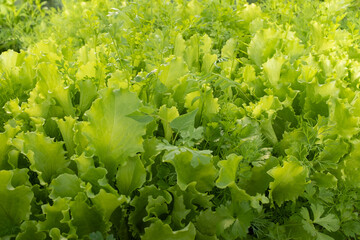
{"x": 66, "y": 127}
{"x": 86, "y": 219}
{"x": 50, "y": 83}
{"x": 66, "y": 185}
{"x": 46, "y": 157}
{"x": 5, "y": 146}
{"x": 108, "y": 202}
{"x": 110, "y": 130}
{"x": 289, "y": 182}
{"x": 15, "y": 201}
{"x": 130, "y": 175}
{"x": 29, "y": 230}
{"x": 148, "y": 205}
{"x": 228, "y": 171}
{"x": 161, "y": 231}
{"x": 200, "y": 170}
{"x": 57, "y": 216}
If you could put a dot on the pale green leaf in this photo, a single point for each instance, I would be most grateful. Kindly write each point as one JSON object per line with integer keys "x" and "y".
{"x": 51, "y": 83}
{"x": 272, "y": 69}
{"x": 203, "y": 174}
{"x": 108, "y": 202}
{"x": 228, "y": 170}
{"x": 65, "y": 185}
{"x": 169, "y": 74}
{"x": 111, "y": 132}
{"x": 67, "y": 130}
{"x": 46, "y": 157}
{"x": 289, "y": 182}
{"x": 57, "y": 215}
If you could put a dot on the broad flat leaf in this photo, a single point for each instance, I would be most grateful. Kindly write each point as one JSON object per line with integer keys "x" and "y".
{"x": 17, "y": 67}
{"x": 66, "y": 185}
{"x": 203, "y": 174}
{"x": 46, "y": 156}
{"x": 184, "y": 122}
{"x": 111, "y": 132}
{"x": 130, "y": 175}
{"x": 292, "y": 142}
{"x": 194, "y": 8}
{"x": 161, "y": 231}
{"x": 81, "y": 142}
{"x": 228, "y": 170}
{"x": 239, "y": 194}
{"x": 14, "y": 202}
{"x": 289, "y": 182}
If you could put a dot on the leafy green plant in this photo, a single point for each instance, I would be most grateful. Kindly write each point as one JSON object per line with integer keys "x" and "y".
{"x": 183, "y": 119}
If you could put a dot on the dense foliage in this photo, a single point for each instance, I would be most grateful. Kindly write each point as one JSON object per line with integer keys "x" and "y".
{"x": 201, "y": 119}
